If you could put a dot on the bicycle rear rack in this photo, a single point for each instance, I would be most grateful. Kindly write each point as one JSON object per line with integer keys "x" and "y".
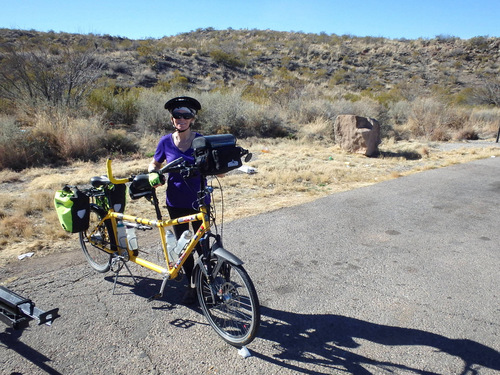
{"x": 17, "y": 311}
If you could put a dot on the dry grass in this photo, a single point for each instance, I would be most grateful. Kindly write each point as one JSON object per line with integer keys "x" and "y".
{"x": 289, "y": 172}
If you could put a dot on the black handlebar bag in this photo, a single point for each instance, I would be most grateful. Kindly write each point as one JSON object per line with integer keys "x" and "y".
{"x": 216, "y": 154}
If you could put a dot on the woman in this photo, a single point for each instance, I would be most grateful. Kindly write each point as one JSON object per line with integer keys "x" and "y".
{"x": 181, "y": 193}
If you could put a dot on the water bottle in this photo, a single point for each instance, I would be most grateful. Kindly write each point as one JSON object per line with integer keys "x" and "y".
{"x": 183, "y": 241}
{"x": 131, "y": 238}
{"x": 122, "y": 235}
{"x": 171, "y": 244}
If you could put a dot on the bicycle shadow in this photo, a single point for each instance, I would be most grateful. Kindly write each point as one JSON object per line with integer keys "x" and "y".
{"x": 324, "y": 340}
{"x": 10, "y": 338}
{"x": 146, "y": 287}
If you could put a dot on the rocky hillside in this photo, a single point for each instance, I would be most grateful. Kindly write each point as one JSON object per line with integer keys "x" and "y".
{"x": 268, "y": 61}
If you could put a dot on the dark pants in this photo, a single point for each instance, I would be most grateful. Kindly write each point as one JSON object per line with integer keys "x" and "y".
{"x": 174, "y": 213}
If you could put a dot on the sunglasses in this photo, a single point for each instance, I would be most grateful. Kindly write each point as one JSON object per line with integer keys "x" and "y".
{"x": 185, "y": 116}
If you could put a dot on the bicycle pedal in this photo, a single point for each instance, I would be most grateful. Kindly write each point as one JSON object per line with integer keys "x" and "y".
{"x": 155, "y": 297}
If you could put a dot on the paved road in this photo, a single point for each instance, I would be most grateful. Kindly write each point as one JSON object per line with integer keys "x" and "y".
{"x": 397, "y": 278}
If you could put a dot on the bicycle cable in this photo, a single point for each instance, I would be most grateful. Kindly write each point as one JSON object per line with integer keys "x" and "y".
{"x": 213, "y": 207}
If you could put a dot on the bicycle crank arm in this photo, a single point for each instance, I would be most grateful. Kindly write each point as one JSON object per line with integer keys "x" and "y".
{"x": 160, "y": 294}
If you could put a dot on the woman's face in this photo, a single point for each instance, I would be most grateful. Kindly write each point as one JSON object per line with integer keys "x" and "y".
{"x": 182, "y": 119}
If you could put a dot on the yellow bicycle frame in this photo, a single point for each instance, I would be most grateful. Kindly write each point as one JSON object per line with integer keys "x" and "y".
{"x": 171, "y": 270}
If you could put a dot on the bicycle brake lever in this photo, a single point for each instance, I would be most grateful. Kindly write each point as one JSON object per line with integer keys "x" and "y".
{"x": 171, "y": 165}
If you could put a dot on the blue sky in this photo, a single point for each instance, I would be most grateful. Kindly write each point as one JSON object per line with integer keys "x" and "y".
{"x": 157, "y": 18}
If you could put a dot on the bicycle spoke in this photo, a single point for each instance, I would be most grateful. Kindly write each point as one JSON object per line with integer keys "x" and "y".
{"x": 92, "y": 240}
{"x": 230, "y": 304}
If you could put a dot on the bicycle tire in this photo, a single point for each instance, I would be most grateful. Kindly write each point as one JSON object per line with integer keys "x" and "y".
{"x": 230, "y": 303}
{"x": 98, "y": 259}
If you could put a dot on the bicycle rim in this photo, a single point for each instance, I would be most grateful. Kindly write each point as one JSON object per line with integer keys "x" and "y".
{"x": 230, "y": 303}
{"x": 98, "y": 259}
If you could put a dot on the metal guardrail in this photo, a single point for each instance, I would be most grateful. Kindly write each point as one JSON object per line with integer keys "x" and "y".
{"x": 17, "y": 311}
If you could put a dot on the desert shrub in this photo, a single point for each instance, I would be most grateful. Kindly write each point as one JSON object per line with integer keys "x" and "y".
{"x": 228, "y": 112}
{"x": 77, "y": 138}
{"x": 389, "y": 97}
{"x": 152, "y": 116}
{"x": 399, "y": 112}
{"x": 364, "y": 107}
{"x": 434, "y": 120}
{"x": 485, "y": 120}
{"x": 260, "y": 121}
{"x": 486, "y": 116}
{"x": 8, "y": 128}
{"x": 339, "y": 77}
{"x": 488, "y": 93}
{"x": 30, "y": 148}
{"x": 223, "y": 112}
{"x": 256, "y": 94}
{"x": 227, "y": 59}
{"x": 466, "y": 134}
{"x": 425, "y": 116}
{"x": 119, "y": 141}
{"x": 116, "y": 105}
{"x": 9, "y": 134}
{"x": 21, "y": 148}
{"x": 479, "y": 42}
{"x": 307, "y": 108}
{"x": 56, "y": 138}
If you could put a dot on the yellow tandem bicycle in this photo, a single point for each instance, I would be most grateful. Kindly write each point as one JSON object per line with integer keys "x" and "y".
{"x": 225, "y": 292}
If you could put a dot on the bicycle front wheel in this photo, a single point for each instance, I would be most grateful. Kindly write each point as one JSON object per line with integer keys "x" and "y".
{"x": 97, "y": 238}
{"x": 229, "y": 302}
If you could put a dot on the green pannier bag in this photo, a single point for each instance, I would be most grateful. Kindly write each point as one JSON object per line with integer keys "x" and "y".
{"x": 73, "y": 209}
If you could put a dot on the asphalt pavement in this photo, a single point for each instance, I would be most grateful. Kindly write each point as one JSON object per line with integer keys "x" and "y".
{"x": 401, "y": 277}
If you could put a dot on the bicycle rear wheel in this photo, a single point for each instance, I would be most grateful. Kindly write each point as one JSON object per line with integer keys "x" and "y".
{"x": 97, "y": 235}
{"x": 229, "y": 302}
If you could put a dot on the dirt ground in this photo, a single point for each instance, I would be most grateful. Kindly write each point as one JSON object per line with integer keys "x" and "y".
{"x": 244, "y": 195}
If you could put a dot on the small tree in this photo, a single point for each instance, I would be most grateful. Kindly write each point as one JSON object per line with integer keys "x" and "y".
{"x": 488, "y": 94}
{"x": 35, "y": 75}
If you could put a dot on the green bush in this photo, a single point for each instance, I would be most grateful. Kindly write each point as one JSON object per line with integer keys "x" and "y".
{"x": 116, "y": 105}
{"x": 227, "y": 59}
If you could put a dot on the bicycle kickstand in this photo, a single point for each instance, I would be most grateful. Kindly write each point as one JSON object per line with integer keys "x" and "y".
{"x": 117, "y": 268}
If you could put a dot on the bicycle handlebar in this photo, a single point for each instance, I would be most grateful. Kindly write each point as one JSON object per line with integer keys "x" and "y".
{"x": 177, "y": 165}
{"x": 174, "y": 166}
{"x": 112, "y": 179}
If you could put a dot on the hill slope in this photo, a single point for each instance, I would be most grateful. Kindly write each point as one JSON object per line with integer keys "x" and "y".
{"x": 206, "y": 58}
